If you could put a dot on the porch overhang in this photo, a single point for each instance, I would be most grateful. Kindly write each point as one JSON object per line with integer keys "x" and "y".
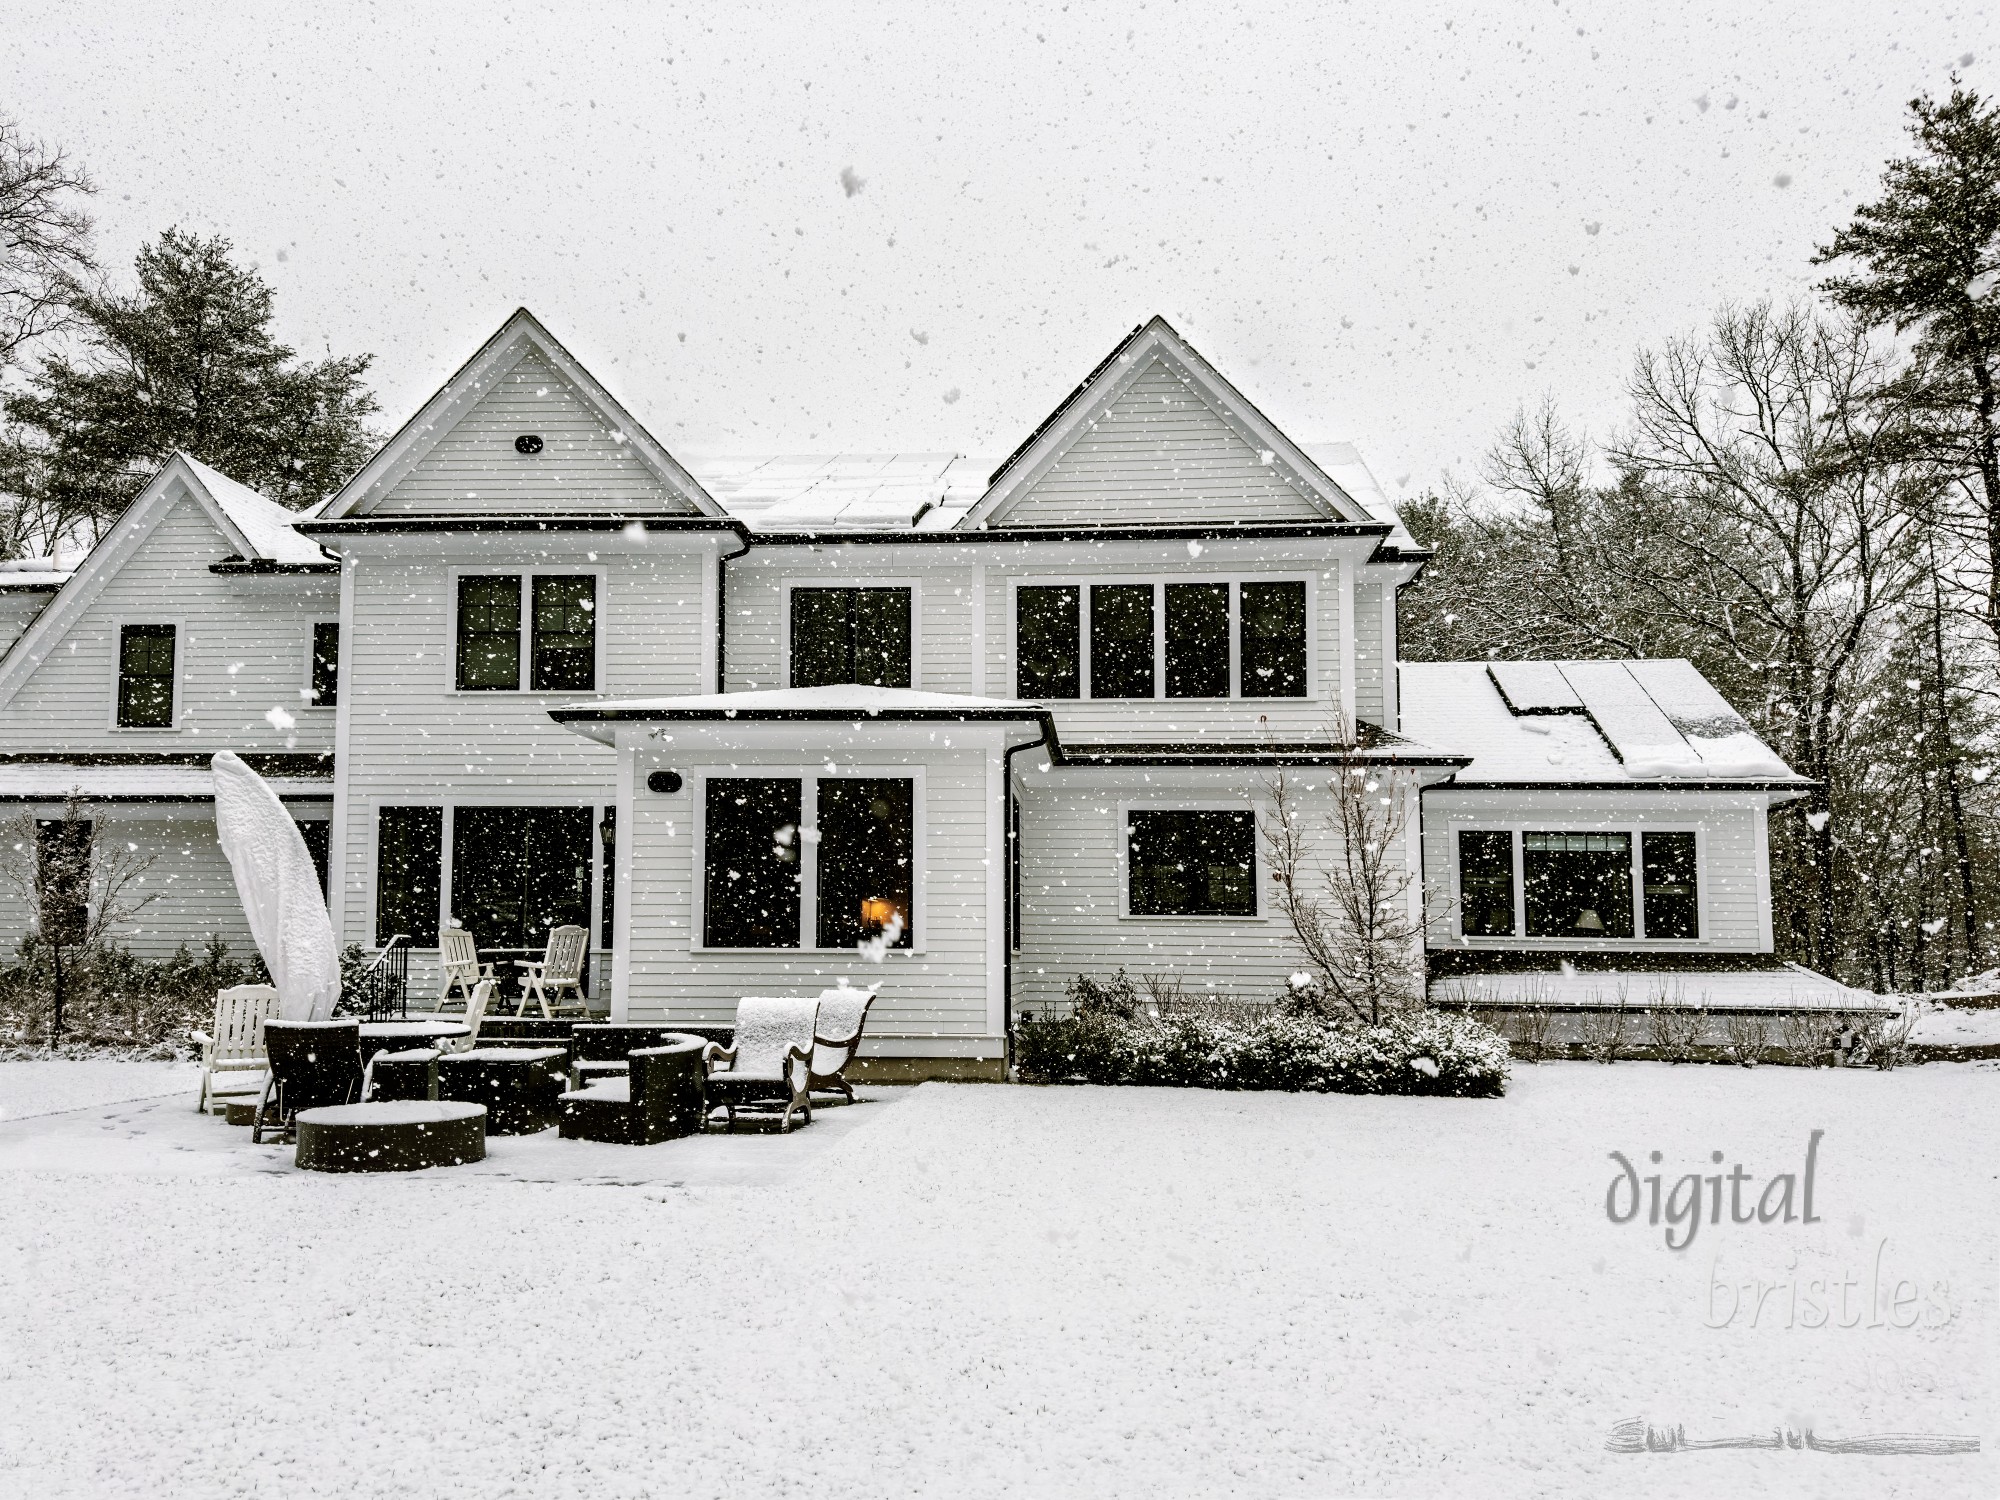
{"x": 851, "y": 704}
{"x": 155, "y": 778}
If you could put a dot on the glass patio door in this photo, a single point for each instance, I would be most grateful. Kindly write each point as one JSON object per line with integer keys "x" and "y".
{"x": 518, "y": 871}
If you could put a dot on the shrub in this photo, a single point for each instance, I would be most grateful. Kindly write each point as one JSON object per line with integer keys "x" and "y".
{"x": 1410, "y": 1052}
{"x": 1677, "y": 1031}
{"x": 1602, "y": 1029}
{"x": 1745, "y": 1038}
{"x": 111, "y": 998}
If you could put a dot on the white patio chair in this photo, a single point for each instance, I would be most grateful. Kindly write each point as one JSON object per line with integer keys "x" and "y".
{"x": 235, "y": 1042}
{"x": 458, "y": 959}
{"x": 769, "y": 1056}
{"x": 843, "y": 1012}
{"x": 559, "y": 969}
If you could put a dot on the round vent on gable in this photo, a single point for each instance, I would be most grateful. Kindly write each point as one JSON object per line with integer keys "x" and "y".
{"x": 664, "y": 781}
{"x": 528, "y": 442}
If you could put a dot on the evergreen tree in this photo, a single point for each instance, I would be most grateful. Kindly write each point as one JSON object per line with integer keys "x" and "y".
{"x": 1928, "y": 253}
{"x": 187, "y": 362}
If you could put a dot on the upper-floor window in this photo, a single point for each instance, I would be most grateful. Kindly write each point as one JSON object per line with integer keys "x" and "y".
{"x": 1578, "y": 885}
{"x": 850, "y": 635}
{"x": 767, "y": 841}
{"x": 146, "y": 677}
{"x": 1161, "y": 639}
{"x": 547, "y": 620}
{"x": 326, "y": 663}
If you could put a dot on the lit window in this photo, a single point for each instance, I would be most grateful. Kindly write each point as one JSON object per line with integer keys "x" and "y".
{"x": 1577, "y": 885}
{"x": 866, "y": 857}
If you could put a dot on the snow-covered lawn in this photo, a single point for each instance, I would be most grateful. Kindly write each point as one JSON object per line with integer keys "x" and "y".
{"x": 980, "y": 1290}
{"x": 39, "y": 1087}
{"x": 1958, "y": 1026}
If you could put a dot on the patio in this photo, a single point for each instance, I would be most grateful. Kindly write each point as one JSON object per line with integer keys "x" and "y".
{"x": 1047, "y": 1291}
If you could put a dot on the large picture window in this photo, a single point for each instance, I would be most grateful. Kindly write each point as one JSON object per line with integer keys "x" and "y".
{"x": 146, "y": 677}
{"x": 850, "y": 840}
{"x": 409, "y": 865}
{"x": 545, "y": 622}
{"x": 1486, "y": 882}
{"x": 751, "y": 849}
{"x": 866, "y": 859}
{"x": 850, "y": 635}
{"x": 1192, "y": 864}
{"x": 1162, "y": 640}
{"x": 1577, "y": 885}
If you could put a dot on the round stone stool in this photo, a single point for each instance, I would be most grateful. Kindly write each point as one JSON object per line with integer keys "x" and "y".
{"x": 404, "y": 1135}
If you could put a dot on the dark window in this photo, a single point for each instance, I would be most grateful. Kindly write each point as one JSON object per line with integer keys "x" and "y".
{"x": 1486, "y": 884}
{"x": 1197, "y": 640}
{"x": 1121, "y": 640}
{"x": 146, "y": 677}
{"x": 518, "y": 871}
{"x": 1668, "y": 877}
{"x": 751, "y": 848}
{"x": 1193, "y": 864}
{"x": 1048, "y": 642}
{"x": 1578, "y": 885}
{"x": 564, "y": 648}
{"x": 1273, "y": 648}
{"x": 317, "y": 835}
{"x": 850, "y": 635}
{"x": 608, "y": 890}
{"x": 867, "y": 850}
{"x": 489, "y": 631}
{"x": 326, "y": 663}
{"x": 409, "y": 860}
{"x": 62, "y": 876}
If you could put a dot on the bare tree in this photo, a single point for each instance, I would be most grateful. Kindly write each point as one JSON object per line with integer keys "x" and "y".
{"x": 77, "y": 888}
{"x": 1337, "y": 852}
{"x": 44, "y": 238}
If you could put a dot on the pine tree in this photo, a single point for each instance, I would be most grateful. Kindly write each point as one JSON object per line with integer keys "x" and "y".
{"x": 187, "y": 362}
{"x": 1928, "y": 253}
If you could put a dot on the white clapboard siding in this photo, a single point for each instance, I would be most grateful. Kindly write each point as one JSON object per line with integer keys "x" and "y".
{"x": 412, "y": 738}
{"x": 18, "y": 608}
{"x": 1159, "y": 454}
{"x": 584, "y": 466}
{"x": 1369, "y": 663}
{"x": 1734, "y": 890}
{"x": 242, "y": 649}
{"x": 1073, "y": 857}
{"x": 932, "y": 1003}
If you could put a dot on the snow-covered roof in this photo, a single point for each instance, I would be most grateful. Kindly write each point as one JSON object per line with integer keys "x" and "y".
{"x": 1589, "y": 722}
{"x": 41, "y": 573}
{"x": 842, "y": 491}
{"x": 1718, "y": 989}
{"x": 51, "y": 781}
{"x": 839, "y": 700}
{"x": 264, "y": 524}
{"x": 1344, "y": 465}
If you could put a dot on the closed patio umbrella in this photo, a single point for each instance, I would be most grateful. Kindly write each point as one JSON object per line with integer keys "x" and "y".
{"x": 280, "y": 890}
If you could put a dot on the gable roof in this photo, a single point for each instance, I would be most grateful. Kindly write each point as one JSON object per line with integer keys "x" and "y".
{"x": 515, "y": 338}
{"x": 259, "y": 529}
{"x": 1652, "y": 723}
{"x": 1152, "y": 345}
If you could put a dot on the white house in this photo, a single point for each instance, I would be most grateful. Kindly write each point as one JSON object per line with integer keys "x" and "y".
{"x": 750, "y": 719}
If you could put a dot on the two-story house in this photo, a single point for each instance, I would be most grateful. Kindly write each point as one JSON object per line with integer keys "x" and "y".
{"x": 986, "y": 730}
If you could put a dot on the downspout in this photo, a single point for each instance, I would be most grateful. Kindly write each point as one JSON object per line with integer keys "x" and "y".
{"x": 722, "y": 610}
{"x": 1049, "y": 743}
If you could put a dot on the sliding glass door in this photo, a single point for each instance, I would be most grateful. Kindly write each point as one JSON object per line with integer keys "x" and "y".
{"x": 518, "y": 871}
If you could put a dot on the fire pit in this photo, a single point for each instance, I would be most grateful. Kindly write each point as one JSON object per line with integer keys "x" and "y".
{"x": 398, "y": 1135}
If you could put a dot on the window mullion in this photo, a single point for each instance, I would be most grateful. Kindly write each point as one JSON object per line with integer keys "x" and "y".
{"x": 808, "y": 862}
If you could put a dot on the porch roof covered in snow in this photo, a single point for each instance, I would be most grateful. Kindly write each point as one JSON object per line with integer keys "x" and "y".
{"x": 840, "y": 703}
{"x": 180, "y": 779}
{"x": 1579, "y": 724}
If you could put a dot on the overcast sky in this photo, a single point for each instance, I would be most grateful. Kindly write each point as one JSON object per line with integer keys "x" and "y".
{"x": 822, "y": 228}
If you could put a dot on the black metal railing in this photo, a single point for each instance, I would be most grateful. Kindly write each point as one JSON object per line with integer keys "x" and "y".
{"x": 385, "y": 983}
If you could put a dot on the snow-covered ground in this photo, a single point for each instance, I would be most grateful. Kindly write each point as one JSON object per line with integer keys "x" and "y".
{"x": 39, "y": 1087}
{"x": 985, "y": 1290}
{"x": 1958, "y": 1026}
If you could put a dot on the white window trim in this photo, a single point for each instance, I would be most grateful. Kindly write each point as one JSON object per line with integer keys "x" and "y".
{"x": 1259, "y": 813}
{"x": 1518, "y": 939}
{"x": 527, "y": 576}
{"x": 517, "y": 797}
{"x": 792, "y": 585}
{"x": 118, "y": 625}
{"x": 1233, "y": 580}
{"x": 306, "y": 699}
{"x": 809, "y": 776}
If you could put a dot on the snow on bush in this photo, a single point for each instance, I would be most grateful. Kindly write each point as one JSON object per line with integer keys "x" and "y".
{"x": 1409, "y": 1052}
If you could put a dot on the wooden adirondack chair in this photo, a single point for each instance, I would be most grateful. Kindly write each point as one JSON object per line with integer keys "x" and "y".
{"x": 458, "y": 959}
{"x": 559, "y": 969}
{"x": 235, "y": 1044}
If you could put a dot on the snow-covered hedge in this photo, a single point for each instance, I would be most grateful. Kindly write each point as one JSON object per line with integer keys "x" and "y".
{"x": 1415, "y": 1052}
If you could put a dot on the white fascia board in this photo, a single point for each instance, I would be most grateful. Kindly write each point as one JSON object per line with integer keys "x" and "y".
{"x": 498, "y": 355}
